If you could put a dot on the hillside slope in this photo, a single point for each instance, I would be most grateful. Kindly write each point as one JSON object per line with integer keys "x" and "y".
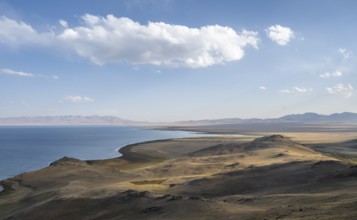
{"x": 193, "y": 178}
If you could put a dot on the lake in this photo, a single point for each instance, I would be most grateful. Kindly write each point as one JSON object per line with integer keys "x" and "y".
{"x": 26, "y": 148}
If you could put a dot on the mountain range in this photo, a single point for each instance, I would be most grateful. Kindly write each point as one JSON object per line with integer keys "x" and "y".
{"x": 292, "y": 118}
{"x": 65, "y": 120}
{"x": 344, "y": 117}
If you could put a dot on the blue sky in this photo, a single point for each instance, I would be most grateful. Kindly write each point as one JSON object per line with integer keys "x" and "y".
{"x": 168, "y": 60}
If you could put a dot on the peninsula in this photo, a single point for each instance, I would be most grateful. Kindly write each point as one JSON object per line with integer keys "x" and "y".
{"x": 224, "y": 177}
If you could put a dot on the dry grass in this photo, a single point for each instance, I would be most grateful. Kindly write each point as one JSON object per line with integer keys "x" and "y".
{"x": 223, "y": 179}
{"x": 148, "y": 182}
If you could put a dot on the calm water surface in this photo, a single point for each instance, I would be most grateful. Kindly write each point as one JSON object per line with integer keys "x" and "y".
{"x": 26, "y": 148}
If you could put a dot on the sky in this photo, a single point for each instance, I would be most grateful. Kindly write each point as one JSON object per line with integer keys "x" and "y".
{"x": 173, "y": 60}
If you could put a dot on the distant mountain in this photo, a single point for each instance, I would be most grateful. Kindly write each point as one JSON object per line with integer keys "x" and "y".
{"x": 306, "y": 117}
{"x": 293, "y": 118}
{"x": 66, "y": 120}
{"x": 112, "y": 120}
{"x": 314, "y": 117}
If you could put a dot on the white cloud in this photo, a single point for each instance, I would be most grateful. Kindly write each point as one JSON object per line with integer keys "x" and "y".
{"x": 262, "y": 87}
{"x": 63, "y": 23}
{"x": 26, "y": 74}
{"x": 302, "y": 89}
{"x": 346, "y": 90}
{"x": 337, "y": 73}
{"x": 16, "y": 73}
{"x": 78, "y": 99}
{"x": 110, "y": 40}
{"x": 280, "y": 35}
{"x": 296, "y": 89}
{"x": 13, "y": 33}
{"x": 344, "y": 52}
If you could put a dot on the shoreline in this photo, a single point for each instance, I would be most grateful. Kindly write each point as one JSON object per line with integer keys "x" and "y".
{"x": 126, "y": 151}
{"x": 159, "y": 178}
{"x": 103, "y": 144}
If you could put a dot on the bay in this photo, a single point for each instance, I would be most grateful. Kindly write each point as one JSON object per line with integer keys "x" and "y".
{"x": 27, "y": 148}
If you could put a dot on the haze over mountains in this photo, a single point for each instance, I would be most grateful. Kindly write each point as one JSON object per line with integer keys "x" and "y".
{"x": 113, "y": 120}
{"x": 65, "y": 120}
{"x": 297, "y": 118}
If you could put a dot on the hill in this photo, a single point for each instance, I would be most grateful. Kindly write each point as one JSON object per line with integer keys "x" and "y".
{"x": 269, "y": 177}
{"x": 273, "y": 142}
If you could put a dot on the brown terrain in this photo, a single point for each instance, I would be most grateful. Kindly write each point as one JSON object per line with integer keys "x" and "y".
{"x": 224, "y": 177}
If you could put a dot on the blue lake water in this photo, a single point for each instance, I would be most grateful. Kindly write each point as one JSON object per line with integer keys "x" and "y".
{"x": 26, "y": 148}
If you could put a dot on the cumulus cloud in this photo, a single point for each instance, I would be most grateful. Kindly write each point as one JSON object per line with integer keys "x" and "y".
{"x": 296, "y": 89}
{"x": 262, "y": 87}
{"x": 111, "y": 39}
{"x": 15, "y": 73}
{"x": 346, "y": 90}
{"x": 337, "y": 73}
{"x": 344, "y": 53}
{"x": 78, "y": 99}
{"x": 280, "y": 34}
{"x": 13, "y": 33}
